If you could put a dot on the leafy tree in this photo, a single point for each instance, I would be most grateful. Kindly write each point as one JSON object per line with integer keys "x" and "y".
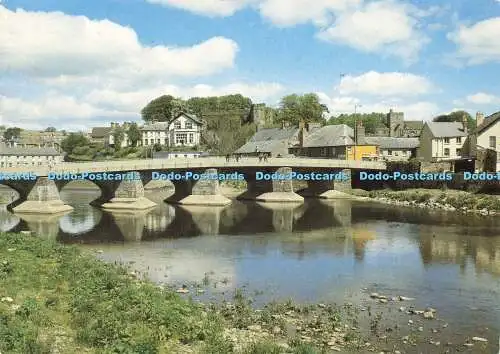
{"x": 159, "y": 109}
{"x": 51, "y": 129}
{"x": 11, "y": 133}
{"x": 456, "y": 116}
{"x": 294, "y": 108}
{"x": 371, "y": 121}
{"x": 74, "y": 140}
{"x": 134, "y": 134}
{"x": 118, "y": 136}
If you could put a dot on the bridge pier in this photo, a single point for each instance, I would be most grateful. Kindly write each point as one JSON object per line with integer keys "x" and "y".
{"x": 201, "y": 192}
{"x": 128, "y": 196}
{"x": 272, "y": 191}
{"x": 40, "y": 197}
{"x": 329, "y": 189}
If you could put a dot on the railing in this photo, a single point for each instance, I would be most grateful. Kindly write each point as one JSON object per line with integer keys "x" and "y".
{"x": 209, "y": 162}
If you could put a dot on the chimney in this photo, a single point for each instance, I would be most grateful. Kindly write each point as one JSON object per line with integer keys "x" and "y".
{"x": 360, "y": 134}
{"x": 479, "y": 119}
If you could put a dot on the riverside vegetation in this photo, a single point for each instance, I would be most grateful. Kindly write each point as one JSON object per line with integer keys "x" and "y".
{"x": 452, "y": 200}
{"x": 57, "y": 299}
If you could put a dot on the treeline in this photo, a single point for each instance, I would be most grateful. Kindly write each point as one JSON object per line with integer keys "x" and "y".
{"x": 371, "y": 121}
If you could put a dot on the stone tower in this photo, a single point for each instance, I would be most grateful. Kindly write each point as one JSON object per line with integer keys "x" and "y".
{"x": 395, "y": 122}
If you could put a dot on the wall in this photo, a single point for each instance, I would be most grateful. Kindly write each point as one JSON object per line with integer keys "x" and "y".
{"x": 483, "y": 139}
{"x": 358, "y": 151}
{"x": 424, "y": 151}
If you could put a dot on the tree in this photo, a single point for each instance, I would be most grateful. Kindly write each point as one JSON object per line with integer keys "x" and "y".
{"x": 51, "y": 130}
{"x": 11, "y": 133}
{"x": 371, "y": 121}
{"x": 74, "y": 140}
{"x": 118, "y": 136}
{"x": 294, "y": 108}
{"x": 134, "y": 134}
{"x": 456, "y": 116}
{"x": 159, "y": 109}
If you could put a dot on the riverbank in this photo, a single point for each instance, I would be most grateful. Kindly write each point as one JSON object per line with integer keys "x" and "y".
{"x": 56, "y": 298}
{"x": 451, "y": 200}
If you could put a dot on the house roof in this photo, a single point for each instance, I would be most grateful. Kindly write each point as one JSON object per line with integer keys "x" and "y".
{"x": 275, "y": 134}
{"x": 414, "y": 124}
{"x": 100, "y": 132}
{"x": 386, "y": 142}
{"x": 22, "y": 151}
{"x": 330, "y": 135}
{"x": 488, "y": 121}
{"x": 446, "y": 129}
{"x": 160, "y": 126}
{"x": 190, "y": 116}
{"x": 269, "y": 146}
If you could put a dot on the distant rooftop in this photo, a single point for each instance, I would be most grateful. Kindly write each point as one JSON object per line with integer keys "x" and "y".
{"x": 28, "y": 151}
{"x": 446, "y": 129}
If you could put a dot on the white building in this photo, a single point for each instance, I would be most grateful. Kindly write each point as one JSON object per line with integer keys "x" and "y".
{"x": 19, "y": 156}
{"x": 441, "y": 141}
{"x": 487, "y": 135}
{"x": 183, "y": 130}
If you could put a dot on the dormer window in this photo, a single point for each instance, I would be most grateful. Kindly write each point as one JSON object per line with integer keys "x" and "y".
{"x": 177, "y": 125}
{"x": 188, "y": 125}
{"x": 446, "y": 140}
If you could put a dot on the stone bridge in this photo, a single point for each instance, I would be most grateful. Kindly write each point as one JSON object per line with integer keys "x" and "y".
{"x": 39, "y": 192}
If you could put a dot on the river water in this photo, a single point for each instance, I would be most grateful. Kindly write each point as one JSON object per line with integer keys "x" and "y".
{"x": 333, "y": 251}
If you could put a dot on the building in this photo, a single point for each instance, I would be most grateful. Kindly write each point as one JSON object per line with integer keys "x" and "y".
{"x": 335, "y": 142}
{"x": 106, "y": 135}
{"x": 272, "y": 141}
{"x": 399, "y": 128}
{"x": 183, "y": 130}
{"x": 441, "y": 141}
{"x": 394, "y": 149}
{"x": 484, "y": 142}
{"x": 29, "y": 156}
{"x": 262, "y": 115}
{"x": 37, "y": 139}
{"x": 99, "y": 135}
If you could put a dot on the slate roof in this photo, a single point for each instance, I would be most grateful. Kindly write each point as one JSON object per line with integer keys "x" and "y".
{"x": 271, "y": 140}
{"x": 385, "y": 142}
{"x": 161, "y": 126}
{"x": 488, "y": 121}
{"x": 100, "y": 132}
{"x": 414, "y": 124}
{"x": 190, "y": 116}
{"x": 446, "y": 129}
{"x": 22, "y": 151}
{"x": 330, "y": 135}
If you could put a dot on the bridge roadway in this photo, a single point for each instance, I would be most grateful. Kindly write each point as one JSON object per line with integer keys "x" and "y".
{"x": 197, "y": 164}
{"x": 41, "y": 195}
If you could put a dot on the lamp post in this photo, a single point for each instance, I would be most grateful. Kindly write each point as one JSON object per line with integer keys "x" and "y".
{"x": 356, "y": 106}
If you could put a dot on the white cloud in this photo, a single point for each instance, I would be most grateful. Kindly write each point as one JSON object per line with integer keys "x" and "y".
{"x": 292, "y": 12}
{"x": 100, "y": 105}
{"x": 478, "y": 43}
{"x": 483, "y": 98}
{"x": 206, "y": 7}
{"x": 51, "y": 44}
{"x": 385, "y": 84}
{"x": 386, "y": 26}
{"x": 413, "y": 110}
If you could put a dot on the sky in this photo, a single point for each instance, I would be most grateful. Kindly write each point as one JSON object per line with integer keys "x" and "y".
{"x": 75, "y": 64}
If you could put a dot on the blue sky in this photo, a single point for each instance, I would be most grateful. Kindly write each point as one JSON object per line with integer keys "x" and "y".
{"x": 74, "y": 63}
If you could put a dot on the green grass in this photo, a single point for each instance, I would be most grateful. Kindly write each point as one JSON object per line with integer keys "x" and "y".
{"x": 54, "y": 297}
{"x": 457, "y": 199}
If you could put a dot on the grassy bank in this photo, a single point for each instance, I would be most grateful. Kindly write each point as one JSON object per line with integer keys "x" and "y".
{"x": 56, "y": 299}
{"x": 438, "y": 199}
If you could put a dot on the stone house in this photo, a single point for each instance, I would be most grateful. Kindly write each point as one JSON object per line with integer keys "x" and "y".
{"x": 441, "y": 141}
{"x": 272, "y": 141}
{"x": 335, "y": 142}
{"x": 29, "y": 156}
{"x": 394, "y": 149}
{"x": 183, "y": 130}
{"x": 484, "y": 142}
{"x": 398, "y": 127}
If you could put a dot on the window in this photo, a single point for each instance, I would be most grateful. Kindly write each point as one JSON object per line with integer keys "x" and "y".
{"x": 152, "y": 141}
{"x": 188, "y": 125}
{"x": 180, "y": 138}
{"x": 166, "y": 141}
{"x": 493, "y": 142}
{"x": 446, "y": 140}
{"x": 459, "y": 140}
{"x": 459, "y": 152}
{"x": 446, "y": 152}
{"x": 396, "y": 153}
{"x": 177, "y": 124}
{"x": 158, "y": 141}
{"x": 389, "y": 152}
{"x": 323, "y": 151}
{"x": 146, "y": 142}
{"x": 191, "y": 137}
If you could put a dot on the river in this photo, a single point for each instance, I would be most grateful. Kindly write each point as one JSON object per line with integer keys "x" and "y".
{"x": 320, "y": 251}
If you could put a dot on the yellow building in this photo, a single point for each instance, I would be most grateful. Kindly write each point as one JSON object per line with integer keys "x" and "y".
{"x": 362, "y": 152}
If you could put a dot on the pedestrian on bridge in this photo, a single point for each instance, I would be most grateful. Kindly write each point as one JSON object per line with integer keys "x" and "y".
{"x": 227, "y": 158}
{"x": 260, "y": 157}
{"x": 265, "y": 157}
